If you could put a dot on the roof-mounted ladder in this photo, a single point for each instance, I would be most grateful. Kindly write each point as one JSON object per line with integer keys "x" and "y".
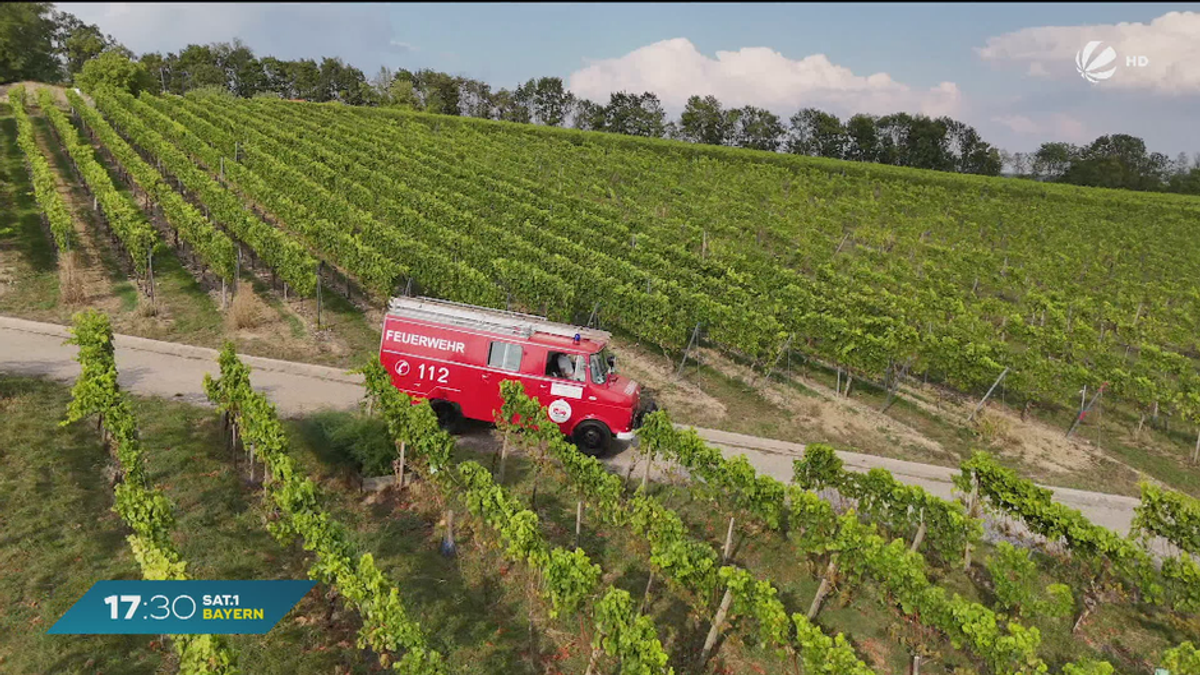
{"x": 489, "y": 320}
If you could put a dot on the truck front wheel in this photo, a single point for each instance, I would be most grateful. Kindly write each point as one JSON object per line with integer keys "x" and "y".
{"x": 592, "y": 438}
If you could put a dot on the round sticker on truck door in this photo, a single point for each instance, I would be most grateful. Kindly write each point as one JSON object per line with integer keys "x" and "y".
{"x": 559, "y": 411}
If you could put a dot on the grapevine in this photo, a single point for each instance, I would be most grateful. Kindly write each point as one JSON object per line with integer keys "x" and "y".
{"x": 45, "y": 191}
{"x": 130, "y": 227}
{"x": 145, "y": 509}
{"x": 387, "y": 627}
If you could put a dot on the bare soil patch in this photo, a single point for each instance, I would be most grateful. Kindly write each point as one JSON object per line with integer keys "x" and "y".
{"x": 8, "y": 272}
{"x": 246, "y": 311}
{"x": 30, "y": 86}
{"x": 657, "y": 374}
{"x": 832, "y": 415}
{"x": 70, "y": 286}
{"x": 89, "y": 284}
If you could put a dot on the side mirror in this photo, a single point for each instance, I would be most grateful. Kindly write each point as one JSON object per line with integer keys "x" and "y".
{"x": 612, "y": 363}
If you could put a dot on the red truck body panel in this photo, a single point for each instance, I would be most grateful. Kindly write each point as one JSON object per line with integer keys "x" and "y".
{"x": 447, "y": 351}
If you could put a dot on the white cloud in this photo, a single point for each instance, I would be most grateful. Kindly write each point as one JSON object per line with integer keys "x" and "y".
{"x": 1018, "y": 124}
{"x": 675, "y": 70}
{"x": 1052, "y": 126}
{"x": 167, "y": 26}
{"x": 1171, "y": 42}
{"x": 1066, "y": 128}
{"x": 1036, "y": 69}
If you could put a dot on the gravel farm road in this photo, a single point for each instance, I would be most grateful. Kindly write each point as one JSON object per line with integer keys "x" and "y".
{"x": 176, "y": 371}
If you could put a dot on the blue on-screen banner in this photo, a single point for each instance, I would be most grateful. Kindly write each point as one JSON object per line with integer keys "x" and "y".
{"x": 181, "y": 607}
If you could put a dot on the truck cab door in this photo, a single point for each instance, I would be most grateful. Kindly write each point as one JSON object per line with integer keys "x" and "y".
{"x": 569, "y": 389}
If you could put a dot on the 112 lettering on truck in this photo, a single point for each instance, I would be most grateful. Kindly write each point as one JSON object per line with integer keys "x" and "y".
{"x": 456, "y": 356}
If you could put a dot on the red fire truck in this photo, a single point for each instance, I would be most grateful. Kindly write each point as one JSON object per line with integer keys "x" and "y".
{"x": 456, "y": 355}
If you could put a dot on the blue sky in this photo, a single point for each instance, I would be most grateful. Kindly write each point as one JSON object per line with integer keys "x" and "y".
{"x": 1007, "y": 69}
{"x": 919, "y": 43}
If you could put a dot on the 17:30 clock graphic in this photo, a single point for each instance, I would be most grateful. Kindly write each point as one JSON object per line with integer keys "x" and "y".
{"x": 189, "y": 607}
{"x": 168, "y": 606}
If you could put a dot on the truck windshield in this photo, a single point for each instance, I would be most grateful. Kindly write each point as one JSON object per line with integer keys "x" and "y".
{"x": 599, "y": 366}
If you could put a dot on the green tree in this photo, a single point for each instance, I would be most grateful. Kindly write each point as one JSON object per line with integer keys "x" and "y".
{"x": 475, "y": 98}
{"x": 244, "y": 75}
{"x": 278, "y": 77}
{"x": 511, "y": 106}
{"x": 1118, "y": 161}
{"x": 158, "y": 68}
{"x": 1186, "y": 183}
{"x": 757, "y": 129}
{"x": 589, "y": 116}
{"x": 927, "y": 145}
{"x": 79, "y": 42}
{"x": 704, "y": 121}
{"x": 197, "y": 67}
{"x": 27, "y": 49}
{"x": 113, "y": 69}
{"x": 862, "y": 139}
{"x": 1052, "y": 160}
{"x": 381, "y": 83}
{"x": 341, "y": 82}
{"x": 403, "y": 95}
{"x": 305, "y": 77}
{"x": 968, "y": 152}
{"x": 635, "y": 114}
{"x": 439, "y": 92}
{"x": 551, "y": 100}
{"x": 816, "y": 133}
{"x": 893, "y": 138}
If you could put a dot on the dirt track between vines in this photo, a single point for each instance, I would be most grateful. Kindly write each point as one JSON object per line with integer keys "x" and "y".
{"x": 176, "y": 371}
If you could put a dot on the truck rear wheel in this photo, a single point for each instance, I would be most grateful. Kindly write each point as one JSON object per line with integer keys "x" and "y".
{"x": 592, "y": 438}
{"x": 449, "y": 415}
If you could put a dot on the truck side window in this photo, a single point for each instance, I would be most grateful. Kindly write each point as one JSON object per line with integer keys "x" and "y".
{"x": 566, "y": 366}
{"x": 504, "y": 355}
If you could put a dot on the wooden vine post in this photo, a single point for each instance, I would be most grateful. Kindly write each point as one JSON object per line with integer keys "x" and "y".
{"x": 400, "y": 466}
{"x": 448, "y": 546}
{"x": 503, "y": 456}
{"x": 319, "y": 265}
{"x": 687, "y": 351}
{"x": 150, "y": 278}
{"x": 823, "y": 589}
{"x": 972, "y": 505}
{"x": 714, "y": 632}
{"x": 786, "y": 345}
{"x": 578, "y": 520}
{"x": 1083, "y": 413}
{"x": 728, "y": 549}
{"x": 646, "y": 472}
{"x": 646, "y": 593}
{"x": 988, "y": 394}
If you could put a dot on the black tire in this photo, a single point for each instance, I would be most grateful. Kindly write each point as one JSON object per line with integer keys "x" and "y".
{"x": 449, "y": 415}
{"x": 592, "y": 438}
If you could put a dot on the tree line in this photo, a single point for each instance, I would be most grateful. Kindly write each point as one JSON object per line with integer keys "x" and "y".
{"x": 39, "y": 43}
{"x": 1111, "y": 161}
